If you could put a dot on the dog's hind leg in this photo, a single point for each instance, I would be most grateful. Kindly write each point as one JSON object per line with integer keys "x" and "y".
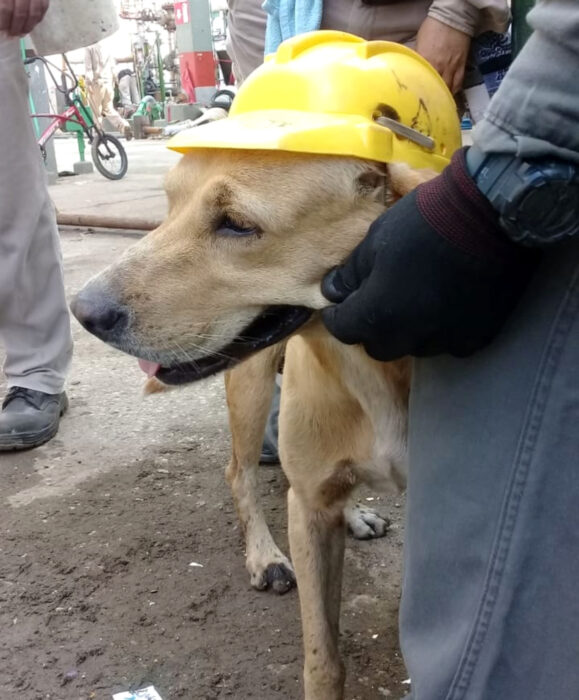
{"x": 249, "y": 390}
{"x": 364, "y": 523}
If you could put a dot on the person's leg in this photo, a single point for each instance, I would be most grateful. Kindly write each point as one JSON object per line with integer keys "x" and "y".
{"x": 245, "y": 36}
{"x": 125, "y": 90}
{"x": 225, "y": 65}
{"x": 120, "y": 124}
{"x": 34, "y": 317}
{"x": 134, "y": 90}
{"x": 490, "y": 609}
{"x": 94, "y": 94}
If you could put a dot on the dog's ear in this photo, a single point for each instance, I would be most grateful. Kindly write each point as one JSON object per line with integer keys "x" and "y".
{"x": 387, "y": 183}
{"x": 374, "y": 184}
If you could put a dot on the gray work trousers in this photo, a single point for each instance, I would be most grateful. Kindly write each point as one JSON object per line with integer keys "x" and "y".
{"x": 490, "y": 603}
{"x": 247, "y": 23}
{"x": 34, "y": 318}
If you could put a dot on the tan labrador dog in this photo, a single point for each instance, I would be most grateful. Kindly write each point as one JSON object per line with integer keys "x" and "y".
{"x": 249, "y": 388}
{"x": 236, "y": 267}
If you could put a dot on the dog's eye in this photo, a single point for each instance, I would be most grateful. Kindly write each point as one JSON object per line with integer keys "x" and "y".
{"x": 228, "y": 227}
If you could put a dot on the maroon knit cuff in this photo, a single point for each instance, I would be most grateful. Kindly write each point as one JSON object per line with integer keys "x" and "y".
{"x": 456, "y": 209}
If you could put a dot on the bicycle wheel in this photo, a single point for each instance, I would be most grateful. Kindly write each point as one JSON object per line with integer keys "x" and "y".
{"x": 109, "y": 156}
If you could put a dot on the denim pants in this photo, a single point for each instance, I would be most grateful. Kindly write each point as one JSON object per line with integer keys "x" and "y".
{"x": 490, "y": 605}
{"x": 490, "y": 600}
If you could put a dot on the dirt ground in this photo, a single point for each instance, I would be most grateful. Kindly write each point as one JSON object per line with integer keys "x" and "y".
{"x": 104, "y": 529}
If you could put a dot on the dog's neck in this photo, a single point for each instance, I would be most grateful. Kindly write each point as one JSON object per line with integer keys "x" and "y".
{"x": 322, "y": 343}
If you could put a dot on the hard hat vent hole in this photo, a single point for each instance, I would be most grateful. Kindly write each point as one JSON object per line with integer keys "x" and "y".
{"x": 383, "y": 110}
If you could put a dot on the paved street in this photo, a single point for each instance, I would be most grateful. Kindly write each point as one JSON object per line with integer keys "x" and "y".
{"x": 139, "y": 193}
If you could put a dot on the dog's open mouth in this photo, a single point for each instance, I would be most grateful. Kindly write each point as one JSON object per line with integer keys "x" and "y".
{"x": 270, "y": 327}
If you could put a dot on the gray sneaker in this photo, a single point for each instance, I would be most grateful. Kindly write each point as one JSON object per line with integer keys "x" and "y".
{"x": 29, "y": 418}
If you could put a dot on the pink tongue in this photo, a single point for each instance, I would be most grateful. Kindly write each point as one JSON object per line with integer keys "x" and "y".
{"x": 149, "y": 368}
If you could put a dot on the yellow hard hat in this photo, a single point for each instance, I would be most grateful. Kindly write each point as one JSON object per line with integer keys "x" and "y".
{"x": 333, "y": 93}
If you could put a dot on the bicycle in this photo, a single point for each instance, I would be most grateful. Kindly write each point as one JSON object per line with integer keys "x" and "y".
{"x": 108, "y": 153}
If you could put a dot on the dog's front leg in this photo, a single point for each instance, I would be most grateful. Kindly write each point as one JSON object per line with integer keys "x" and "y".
{"x": 249, "y": 390}
{"x": 317, "y": 549}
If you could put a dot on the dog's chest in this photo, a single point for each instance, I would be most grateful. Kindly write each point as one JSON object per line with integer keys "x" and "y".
{"x": 383, "y": 398}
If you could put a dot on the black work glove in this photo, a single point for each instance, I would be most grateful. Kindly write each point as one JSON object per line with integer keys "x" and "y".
{"x": 435, "y": 274}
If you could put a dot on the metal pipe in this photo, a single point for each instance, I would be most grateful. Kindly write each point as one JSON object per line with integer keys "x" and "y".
{"x": 112, "y": 222}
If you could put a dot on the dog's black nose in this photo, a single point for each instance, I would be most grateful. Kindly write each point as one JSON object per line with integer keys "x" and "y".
{"x": 100, "y": 315}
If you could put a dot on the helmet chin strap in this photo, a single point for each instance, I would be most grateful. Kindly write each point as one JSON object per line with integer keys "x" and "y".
{"x": 406, "y": 132}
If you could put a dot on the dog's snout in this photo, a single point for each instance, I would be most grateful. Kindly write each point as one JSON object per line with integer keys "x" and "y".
{"x": 100, "y": 315}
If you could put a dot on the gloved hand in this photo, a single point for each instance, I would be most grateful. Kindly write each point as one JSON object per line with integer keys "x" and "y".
{"x": 434, "y": 275}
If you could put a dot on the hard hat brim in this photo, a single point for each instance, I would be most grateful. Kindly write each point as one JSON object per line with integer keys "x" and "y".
{"x": 301, "y": 132}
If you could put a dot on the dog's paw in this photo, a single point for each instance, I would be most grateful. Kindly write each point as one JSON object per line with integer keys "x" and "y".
{"x": 279, "y": 576}
{"x": 365, "y": 523}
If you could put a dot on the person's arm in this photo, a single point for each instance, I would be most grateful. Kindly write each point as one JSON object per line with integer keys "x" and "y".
{"x": 19, "y": 17}
{"x": 445, "y": 35}
{"x": 441, "y": 271}
{"x": 435, "y": 274}
{"x": 88, "y": 64}
{"x": 112, "y": 70}
{"x": 446, "y": 48}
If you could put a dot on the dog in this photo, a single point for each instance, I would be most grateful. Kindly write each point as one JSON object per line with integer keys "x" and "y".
{"x": 233, "y": 276}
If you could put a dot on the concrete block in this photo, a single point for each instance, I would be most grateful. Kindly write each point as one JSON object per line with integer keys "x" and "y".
{"x": 83, "y": 167}
{"x": 178, "y": 113}
{"x": 138, "y": 123}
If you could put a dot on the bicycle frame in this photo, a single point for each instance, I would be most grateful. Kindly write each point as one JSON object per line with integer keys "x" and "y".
{"x": 71, "y": 114}
{"x": 75, "y": 112}
{"x": 104, "y": 147}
